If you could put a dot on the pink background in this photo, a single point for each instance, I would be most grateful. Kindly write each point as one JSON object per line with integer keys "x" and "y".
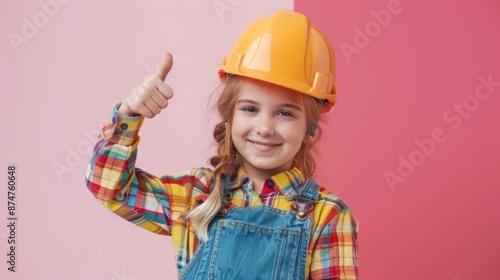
{"x": 398, "y": 87}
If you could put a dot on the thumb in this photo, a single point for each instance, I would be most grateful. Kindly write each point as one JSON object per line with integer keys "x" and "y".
{"x": 166, "y": 65}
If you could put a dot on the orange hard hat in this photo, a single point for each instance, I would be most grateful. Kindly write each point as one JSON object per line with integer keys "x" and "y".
{"x": 287, "y": 50}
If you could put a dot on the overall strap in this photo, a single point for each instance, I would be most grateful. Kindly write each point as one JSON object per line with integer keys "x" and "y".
{"x": 306, "y": 199}
{"x": 226, "y": 195}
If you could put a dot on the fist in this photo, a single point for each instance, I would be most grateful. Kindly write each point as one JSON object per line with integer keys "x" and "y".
{"x": 150, "y": 97}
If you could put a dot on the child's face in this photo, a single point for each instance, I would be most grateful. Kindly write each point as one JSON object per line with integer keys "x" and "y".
{"x": 268, "y": 128}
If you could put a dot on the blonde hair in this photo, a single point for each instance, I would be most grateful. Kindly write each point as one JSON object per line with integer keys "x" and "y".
{"x": 228, "y": 160}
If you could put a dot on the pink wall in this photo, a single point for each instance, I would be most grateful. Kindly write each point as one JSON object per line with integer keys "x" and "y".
{"x": 401, "y": 83}
{"x": 65, "y": 62}
{"x": 58, "y": 87}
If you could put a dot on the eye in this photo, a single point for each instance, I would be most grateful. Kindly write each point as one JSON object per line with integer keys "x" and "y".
{"x": 286, "y": 114}
{"x": 249, "y": 109}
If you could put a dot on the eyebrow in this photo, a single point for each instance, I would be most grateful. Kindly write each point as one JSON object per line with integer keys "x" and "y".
{"x": 290, "y": 105}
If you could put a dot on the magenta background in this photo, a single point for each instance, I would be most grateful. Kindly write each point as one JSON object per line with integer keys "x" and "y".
{"x": 440, "y": 223}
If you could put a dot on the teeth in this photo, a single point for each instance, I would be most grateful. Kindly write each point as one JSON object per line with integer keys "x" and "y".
{"x": 264, "y": 145}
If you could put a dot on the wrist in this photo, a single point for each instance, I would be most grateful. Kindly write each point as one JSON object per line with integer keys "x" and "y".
{"x": 124, "y": 110}
{"x": 123, "y": 129}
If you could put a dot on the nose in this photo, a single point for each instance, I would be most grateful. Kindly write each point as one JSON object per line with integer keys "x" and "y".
{"x": 265, "y": 125}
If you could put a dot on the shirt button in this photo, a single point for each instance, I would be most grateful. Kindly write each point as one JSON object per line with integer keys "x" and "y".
{"x": 120, "y": 197}
{"x": 270, "y": 184}
{"x": 124, "y": 126}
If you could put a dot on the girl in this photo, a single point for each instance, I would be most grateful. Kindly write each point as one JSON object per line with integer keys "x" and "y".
{"x": 257, "y": 214}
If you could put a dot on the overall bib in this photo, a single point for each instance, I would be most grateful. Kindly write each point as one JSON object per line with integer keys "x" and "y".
{"x": 259, "y": 242}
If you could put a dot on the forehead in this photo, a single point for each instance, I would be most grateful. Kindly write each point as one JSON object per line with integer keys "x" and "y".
{"x": 264, "y": 92}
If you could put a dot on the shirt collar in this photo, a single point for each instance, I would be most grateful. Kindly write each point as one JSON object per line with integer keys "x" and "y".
{"x": 288, "y": 183}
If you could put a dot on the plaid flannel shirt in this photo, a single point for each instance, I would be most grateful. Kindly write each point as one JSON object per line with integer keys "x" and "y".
{"x": 158, "y": 204}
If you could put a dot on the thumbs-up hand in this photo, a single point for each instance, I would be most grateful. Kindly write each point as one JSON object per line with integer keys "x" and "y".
{"x": 150, "y": 97}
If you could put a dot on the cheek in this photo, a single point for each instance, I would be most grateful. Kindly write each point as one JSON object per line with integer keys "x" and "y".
{"x": 295, "y": 132}
{"x": 233, "y": 133}
{"x": 240, "y": 124}
{"x": 295, "y": 137}
{"x": 235, "y": 127}
{"x": 238, "y": 133}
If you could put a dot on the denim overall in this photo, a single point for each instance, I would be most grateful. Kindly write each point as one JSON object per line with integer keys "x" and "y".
{"x": 259, "y": 242}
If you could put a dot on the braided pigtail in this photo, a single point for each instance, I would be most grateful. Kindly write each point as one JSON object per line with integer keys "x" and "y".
{"x": 227, "y": 160}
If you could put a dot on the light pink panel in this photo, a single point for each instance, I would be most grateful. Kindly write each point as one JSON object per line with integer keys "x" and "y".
{"x": 64, "y": 63}
{"x": 413, "y": 144}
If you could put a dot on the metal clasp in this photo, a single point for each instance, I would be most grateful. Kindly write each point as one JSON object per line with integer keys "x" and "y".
{"x": 303, "y": 206}
{"x": 224, "y": 206}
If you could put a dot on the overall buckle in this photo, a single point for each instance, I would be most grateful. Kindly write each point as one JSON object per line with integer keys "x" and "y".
{"x": 303, "y": 206}
{"x": 224, "y": 207}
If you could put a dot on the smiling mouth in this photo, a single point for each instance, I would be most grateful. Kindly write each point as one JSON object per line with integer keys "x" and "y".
{"x": 263, "y": 145}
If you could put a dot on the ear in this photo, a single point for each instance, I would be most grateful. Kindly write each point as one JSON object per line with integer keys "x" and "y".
{"x": 312, "y": 129}
{"x": 308, "y": 138}
{"x": 310, "y": 133}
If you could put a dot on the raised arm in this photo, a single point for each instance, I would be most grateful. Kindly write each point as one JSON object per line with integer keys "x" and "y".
{"x": 148, "y": 201}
